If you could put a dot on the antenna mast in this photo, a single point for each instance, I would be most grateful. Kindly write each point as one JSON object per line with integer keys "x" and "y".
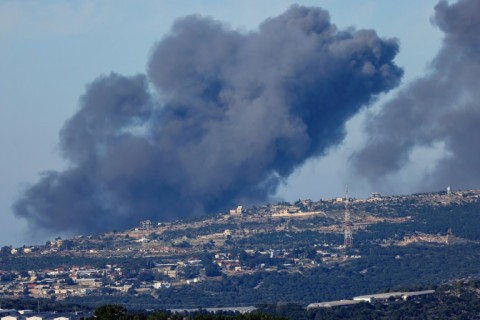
{"x": 347, "y": 224}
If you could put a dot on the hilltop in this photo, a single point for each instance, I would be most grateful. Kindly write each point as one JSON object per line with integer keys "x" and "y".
{"x": 283, "y": 252}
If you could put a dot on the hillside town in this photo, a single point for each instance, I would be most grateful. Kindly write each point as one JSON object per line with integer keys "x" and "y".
{"x": 157, "y": 256}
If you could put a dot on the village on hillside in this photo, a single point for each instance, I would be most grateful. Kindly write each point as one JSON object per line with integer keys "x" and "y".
{"x": 155, "y": 256}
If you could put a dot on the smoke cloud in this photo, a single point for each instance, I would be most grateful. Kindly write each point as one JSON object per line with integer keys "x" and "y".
{"x": 441, "y": 107}
{"x": 221, "y": 118}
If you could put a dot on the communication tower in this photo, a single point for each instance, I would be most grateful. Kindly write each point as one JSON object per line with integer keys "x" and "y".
{"x": 347, "y": 225}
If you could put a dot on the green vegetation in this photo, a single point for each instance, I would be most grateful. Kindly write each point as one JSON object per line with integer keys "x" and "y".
{"x": 459, "y": 300}
{"x": 263, "y": 260}
{"x": 43, "y": 305}
{"x": 25, "y": 263}
{"x": 118, "y": 312}
{"x": 462, "y": 221}
{"x": 285, "y": 239}
{"x": 379, "y": 269}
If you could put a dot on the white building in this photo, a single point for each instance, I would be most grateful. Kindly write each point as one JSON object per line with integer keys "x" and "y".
{"x": 238, "y": 210}
{"x": 392, "y": 295}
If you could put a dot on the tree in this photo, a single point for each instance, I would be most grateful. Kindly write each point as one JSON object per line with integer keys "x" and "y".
{"x": 190, "y": 272}
{"x": 212, "y": 270}
{"x": 111, "y": 312}
{"x": 310, "y": 253}
{"x": 183, "y": 244}
{"x": 5, "y": 251}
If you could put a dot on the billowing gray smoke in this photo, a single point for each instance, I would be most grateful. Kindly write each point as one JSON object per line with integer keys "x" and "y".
{"x": 238, "y": 113}
{"x": 442, "y": 107}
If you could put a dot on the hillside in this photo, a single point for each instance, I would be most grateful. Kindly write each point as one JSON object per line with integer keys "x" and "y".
{"x": 284, "y": 252}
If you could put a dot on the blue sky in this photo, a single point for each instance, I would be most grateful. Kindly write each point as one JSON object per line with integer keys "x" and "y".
{"x": 51, "y": 49}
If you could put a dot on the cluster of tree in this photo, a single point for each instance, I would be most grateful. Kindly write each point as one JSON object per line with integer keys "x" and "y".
{"x": 459, "y": 300}
{"x": 44, "y": 305}
{"x": 26, "y": 263}
{"x": 312, "y": 222}
{"x": 118, "y": 312}
{"x": 5, "y": 251}
{"x": 378, "y": 269}
{"x": 285, "y": 239}
{"x": 257, "y": 259}
{"x": 462, "y": 221}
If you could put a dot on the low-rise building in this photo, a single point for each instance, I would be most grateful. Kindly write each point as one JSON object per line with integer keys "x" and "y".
{"x": 330, "y": 304}
{"x": 236, "y": 211}
{"x": 392, "y": 295}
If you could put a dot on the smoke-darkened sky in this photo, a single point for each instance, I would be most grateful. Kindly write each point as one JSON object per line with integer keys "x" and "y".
{"x": 440, "y": 109}
{"x": 163, "y": 111}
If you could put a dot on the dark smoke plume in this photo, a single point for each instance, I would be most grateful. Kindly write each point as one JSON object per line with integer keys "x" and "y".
{"x": 238, "y": 113}
{"x": 441, "y": 107}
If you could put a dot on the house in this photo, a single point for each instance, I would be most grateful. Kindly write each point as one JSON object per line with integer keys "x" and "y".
{"x": 162, "y": 284}
{"x": 89, "y": 282}
{"x": 306, "y": 202}
{"x": 146, "y": 225}
{"x": 236, "y": 211}
{"x": 376, "y": 195}
{"x": 194, "y": 280}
